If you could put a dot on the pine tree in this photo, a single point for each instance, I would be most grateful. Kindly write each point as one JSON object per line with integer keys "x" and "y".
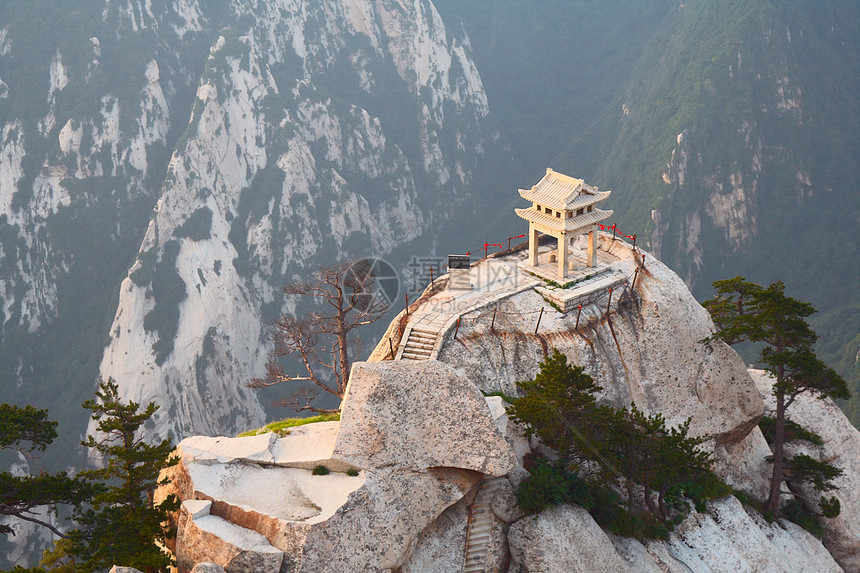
{"x": 21, "y": 495}
{"x": 123, "y": 526}
{"x": 744, "y": 311}
{"x": 626, "y": 447}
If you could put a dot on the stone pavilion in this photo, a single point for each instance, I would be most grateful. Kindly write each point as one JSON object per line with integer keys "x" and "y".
{"x": 565, "y": 208}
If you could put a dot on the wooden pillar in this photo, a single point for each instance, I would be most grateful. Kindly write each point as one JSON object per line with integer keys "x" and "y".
{"x": 591, "y": 256}
{"x": 562, "y": 255}
{"x": 533, "y": 245}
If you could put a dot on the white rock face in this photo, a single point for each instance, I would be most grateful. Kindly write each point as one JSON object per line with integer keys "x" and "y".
{"x": 841, "y": 447}
{"x": 542, "y": 544}
{"x": 724, "y": 539}
{"x": 441, "y": 546}
{"x": 322, "y": 154}
{"x": 743, "y": 464}
{"x": 423, "y": 436}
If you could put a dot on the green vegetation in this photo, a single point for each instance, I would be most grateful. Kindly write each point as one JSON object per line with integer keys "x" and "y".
{"x": 793, "y": 431}
{"x": 507, "y": 398}
{"x": 197, "y": 226}
{"x": 746, "y": 312}
{"x": 21, "y": 495}
{"x": 168, "y": 290}
{"x": 320, "y": 470}
{"x": 25, "y": 424}
{"x": 115, "y": 518}
{"x": 282, "y": 427}
{"x": 352, "y": 472}
{"x": 122, "y": 524}
{"x": 603, "y": 451}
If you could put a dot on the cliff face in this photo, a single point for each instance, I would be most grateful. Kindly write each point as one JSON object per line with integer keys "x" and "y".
{"x": 166, "y": 166}
{"x": 289, "y": 156}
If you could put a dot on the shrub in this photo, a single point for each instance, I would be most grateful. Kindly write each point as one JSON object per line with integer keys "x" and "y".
{"x": 320, "y": 470}
{"x": 550, "y": 485}
{"x": 352, "y": 472}
{"x": 794, "y": 511}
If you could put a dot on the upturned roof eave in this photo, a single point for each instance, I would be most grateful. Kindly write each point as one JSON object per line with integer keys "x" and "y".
{"x": 566, "y": 225}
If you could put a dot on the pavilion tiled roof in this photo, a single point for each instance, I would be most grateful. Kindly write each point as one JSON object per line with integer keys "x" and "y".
{"x": 562, "y": 192}
{"x": 569, "y": 224}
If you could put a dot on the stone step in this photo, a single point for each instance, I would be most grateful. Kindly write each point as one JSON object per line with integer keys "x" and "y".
{"x": 425, "y": 330}
{"x": 478, "y": 556}
{"x": 423, "y": 339}
{"x": 407, "y": 356}
{"x": 418, "y": 349}
{"x": 421, "y": 353}
{"x": 415, "y": 344}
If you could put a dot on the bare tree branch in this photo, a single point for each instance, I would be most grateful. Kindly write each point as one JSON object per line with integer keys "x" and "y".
{"x": 342, "y": 299}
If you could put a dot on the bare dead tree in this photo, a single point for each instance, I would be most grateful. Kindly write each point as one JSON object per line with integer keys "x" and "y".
{"x": 343, "y": 299}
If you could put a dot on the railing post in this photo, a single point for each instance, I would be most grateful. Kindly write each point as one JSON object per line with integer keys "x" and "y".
{"x": 608, "y": 304}
{"x": 493, "y": 322}
{"x": 635, "y": 274}
{"x": 432, "y": 286}
{"x": 407, "y": 304}
{"x": 391, "y": 347}
{"x": 456, "y": 330}
{"x": 578, "y": 314}
{"x": 634, "y": 241}
{"x": 613, "y": 232}
{"x": 538, "y": 322}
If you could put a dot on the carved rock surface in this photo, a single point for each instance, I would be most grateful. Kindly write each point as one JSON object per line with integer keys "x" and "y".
{"x": 441, "y": 546}
{"x": 841, "y": 447}
{"x": 418, "y": 414}
{"x": 204, "y": 537}
{"x": 380, "y": 525}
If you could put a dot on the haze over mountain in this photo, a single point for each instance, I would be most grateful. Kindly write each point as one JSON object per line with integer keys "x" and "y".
{"x": 727, "y": 131}
{"x": 165, "y": 166}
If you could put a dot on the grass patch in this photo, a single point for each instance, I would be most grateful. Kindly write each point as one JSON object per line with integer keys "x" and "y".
{"x": 320, "y": 471}
{"x": 551, "y": 303}
{"x": 352, "y": 472}
{"x": 282, "y": 427}
{"x": 500, "y": 394}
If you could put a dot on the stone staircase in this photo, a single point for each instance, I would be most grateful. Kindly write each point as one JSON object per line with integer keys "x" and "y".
{"x": 480, "y": 523}
{"x": 419, "y": 344}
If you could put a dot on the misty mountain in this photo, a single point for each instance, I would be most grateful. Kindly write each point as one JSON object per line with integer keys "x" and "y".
{"x": 166, "y": 166}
